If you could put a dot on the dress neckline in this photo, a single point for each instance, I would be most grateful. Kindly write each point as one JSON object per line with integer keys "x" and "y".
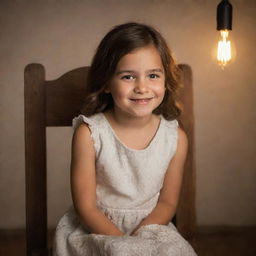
{"x": 153, "y": 140}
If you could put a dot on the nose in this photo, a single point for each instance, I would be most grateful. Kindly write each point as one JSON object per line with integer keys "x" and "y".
{"x": 140, "y": 86}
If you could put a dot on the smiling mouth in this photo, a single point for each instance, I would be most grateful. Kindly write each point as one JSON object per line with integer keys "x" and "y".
{"x": 141, "y": 101}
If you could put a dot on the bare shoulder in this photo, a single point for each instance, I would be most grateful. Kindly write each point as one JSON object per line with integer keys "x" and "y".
{"x": 82, "y": 139}
{"x": 82, "y": 130}
{"x": 182, "y": 136}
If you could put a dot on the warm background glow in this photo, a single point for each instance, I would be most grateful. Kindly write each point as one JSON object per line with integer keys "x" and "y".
{"x": 62, "y": 35}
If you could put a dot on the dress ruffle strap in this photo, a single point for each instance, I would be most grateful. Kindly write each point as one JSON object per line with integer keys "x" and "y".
{"x": 77, "y": 121}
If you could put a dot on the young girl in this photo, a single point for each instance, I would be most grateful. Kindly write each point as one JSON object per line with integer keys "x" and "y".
{"x": 127, "y": 152}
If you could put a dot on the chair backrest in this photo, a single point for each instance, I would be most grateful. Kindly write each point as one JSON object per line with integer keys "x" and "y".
{"x": 56, "y": 103}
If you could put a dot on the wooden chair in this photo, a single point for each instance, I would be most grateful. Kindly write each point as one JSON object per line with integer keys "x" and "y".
{"x": 56, "y": 103}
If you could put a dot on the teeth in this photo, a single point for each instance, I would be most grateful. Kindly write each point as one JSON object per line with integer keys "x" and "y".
{"x": 141, "y": 99}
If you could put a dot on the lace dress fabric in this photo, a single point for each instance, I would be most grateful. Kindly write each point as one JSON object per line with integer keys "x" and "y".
{"x": 128, "y": 185}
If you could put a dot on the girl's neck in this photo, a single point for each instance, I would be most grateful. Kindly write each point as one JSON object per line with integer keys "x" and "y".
{"x": 127, "y": 121}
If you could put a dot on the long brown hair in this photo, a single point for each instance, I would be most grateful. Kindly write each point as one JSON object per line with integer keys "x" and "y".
{"x": 118, "y": 42}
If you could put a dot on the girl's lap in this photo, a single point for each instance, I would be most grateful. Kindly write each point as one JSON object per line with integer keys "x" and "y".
{"x": 149, "y": 240}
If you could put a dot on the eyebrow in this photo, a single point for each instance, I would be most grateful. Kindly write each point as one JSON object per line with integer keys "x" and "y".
{"x": 133, "y": 71}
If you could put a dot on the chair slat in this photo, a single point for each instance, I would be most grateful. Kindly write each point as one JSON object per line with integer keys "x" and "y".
{"x": 35, "y": 158}
{"x": 186, "y": 209}
{"x": 64, "y": 97}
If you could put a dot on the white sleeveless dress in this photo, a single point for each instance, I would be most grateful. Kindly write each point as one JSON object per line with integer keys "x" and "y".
{"x": 128, "y": 185}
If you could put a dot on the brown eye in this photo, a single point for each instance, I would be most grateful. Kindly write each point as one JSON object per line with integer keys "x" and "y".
{"x": 127, "y": 77}
{"x": 153, "y": 76}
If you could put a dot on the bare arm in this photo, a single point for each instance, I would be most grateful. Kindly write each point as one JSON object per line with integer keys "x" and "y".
{"x": 169, "y": 194}
{"x": 83, "y": 184}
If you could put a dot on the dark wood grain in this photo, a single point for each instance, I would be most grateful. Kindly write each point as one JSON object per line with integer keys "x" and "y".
{"x": 35, "y": 159}
{"x": 186, "y": 216}
{"x": 64, "y": 97}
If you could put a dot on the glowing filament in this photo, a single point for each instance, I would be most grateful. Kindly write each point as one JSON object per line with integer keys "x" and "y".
{"x": 224, "y": 49}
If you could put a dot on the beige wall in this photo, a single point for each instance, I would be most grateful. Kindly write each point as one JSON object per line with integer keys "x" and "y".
{"x": 63, "y": 34}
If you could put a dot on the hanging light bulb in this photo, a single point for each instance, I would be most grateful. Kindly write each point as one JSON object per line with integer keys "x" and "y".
{"x": 224, "y": 25}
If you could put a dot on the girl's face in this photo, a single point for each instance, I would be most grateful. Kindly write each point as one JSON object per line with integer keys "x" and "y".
{"x": 138, "y": 85}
